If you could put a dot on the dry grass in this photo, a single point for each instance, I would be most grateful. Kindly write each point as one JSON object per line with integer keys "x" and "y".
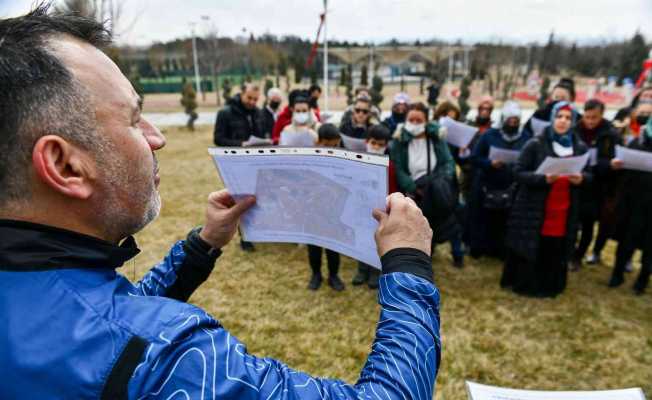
{"x": 589, "y": 338}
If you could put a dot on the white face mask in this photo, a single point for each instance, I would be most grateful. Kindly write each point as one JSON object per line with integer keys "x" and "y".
{"x": 415, "y": 129}
{"x": 375, "y": 150}
{"x": 301, "y": 118}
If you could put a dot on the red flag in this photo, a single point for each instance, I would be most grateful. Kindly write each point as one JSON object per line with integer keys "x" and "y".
{"x": 315, "y": 45}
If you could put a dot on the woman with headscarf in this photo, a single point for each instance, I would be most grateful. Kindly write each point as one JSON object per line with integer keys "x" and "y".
{"x": 635, "y": 217}
{"x": 542, "y": 226}
{"x": 494, "y": 187}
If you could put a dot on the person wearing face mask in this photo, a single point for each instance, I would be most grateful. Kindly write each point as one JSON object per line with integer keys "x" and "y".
{"x": 635, "y": 218}
{"x": 399, "y": 111}
{"x": 425, "y": 170}
{"x": 377, "y": 143}
{"x": 285, "y": 117}
{"x": 600, "y": 135}
{"x": 271, "y": 111}
{"x": 302, "y": 122}
{"x": 542, "y": 225}
{"x": 493, "y": 187}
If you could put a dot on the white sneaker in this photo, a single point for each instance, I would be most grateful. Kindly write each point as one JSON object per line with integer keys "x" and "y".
{"x": 629, "y": 267}
{"x": 593, "y": 259}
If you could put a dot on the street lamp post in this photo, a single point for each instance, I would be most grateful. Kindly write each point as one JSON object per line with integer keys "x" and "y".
{"x": 195, "y": 59}
{"x": 325, "y": 55}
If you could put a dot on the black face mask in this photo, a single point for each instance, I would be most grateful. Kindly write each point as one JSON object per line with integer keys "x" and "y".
{"x": 642, "y": 119}
{"x": 510, "y": 130}
{"x": 482, "y": 120}
{"x": 274, "y": 105}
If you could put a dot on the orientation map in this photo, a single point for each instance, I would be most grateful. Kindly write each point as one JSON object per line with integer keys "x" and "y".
{"x": 319, "y": 196}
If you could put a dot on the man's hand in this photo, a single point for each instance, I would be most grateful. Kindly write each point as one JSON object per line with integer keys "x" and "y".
{"x": 497, "y": 164}
{"x": 402, "y": 225}
{"x": 576, "y": 179}
{"x": 222, "y": 217}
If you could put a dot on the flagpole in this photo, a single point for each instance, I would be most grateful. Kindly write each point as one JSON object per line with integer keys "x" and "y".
{"x": 325, "y": 56}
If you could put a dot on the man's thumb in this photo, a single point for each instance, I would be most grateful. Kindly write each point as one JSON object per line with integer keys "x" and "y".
{"x": 379, "y": 215}
{"x": 242, "y": 206}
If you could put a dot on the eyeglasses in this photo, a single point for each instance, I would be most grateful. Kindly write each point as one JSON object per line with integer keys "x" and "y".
{"x": 361, "y": 110}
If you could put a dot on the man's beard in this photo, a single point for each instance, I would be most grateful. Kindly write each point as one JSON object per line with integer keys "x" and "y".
{"x": 125, "y": 193}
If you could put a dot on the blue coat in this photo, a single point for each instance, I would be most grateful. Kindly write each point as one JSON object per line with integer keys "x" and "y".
{"x": 74, "y": 328}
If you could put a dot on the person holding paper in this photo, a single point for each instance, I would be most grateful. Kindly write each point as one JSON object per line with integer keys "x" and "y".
{"x": 542, "y": 226}
{"x": 68, "y": 211}
{"x": 285, "y": 117}
{"x": 635, "y": 218}
{"x": 300, "y": 132}
{"x": 493, "y": 188}
{"x": 239, "y": 119}
{"x": 564, "y": 90}
{"x": 600, "y": 135}
{"x": 425, "y": 171}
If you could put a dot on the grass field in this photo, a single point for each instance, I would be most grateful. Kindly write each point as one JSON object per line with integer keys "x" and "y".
{"x": 591, "y": 337}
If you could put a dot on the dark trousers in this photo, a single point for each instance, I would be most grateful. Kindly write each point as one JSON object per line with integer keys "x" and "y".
{"x": 601, "y": 240}
{"x": 314, "y": 257}
{"x": 586, "y": 237}
{"x": 624, "y": 254}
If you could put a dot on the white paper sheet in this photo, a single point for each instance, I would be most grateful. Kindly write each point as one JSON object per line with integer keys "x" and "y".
{"x": 459, "y": 134}
{"x": 538, "y": 126}
{"x": 297, "y": 139}
{"x": 504, "y": 155}
{"x": 563, "y": 166}
{"x": 477, "y": 391}
{"x": 634, "y": 159}
{"x": 593, "y": 157}
{"x": 320, "y": 196}
{"x": 354, "y": 144}
{"x": 256, "y": 141}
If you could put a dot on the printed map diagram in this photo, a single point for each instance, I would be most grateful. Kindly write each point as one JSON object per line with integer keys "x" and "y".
{"x": 294, "y": 200}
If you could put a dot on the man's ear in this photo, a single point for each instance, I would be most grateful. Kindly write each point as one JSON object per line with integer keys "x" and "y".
{"x": 64, "y": 167}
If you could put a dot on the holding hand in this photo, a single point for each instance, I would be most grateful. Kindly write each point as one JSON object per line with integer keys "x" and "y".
{"x": 551, "y": 178}
{"x": 617, "y": 164}
{"x": 402, "y": 224}
{"x": 222, "y": 217}
{"x": 576, "y": 179}
{"x": 497, "y": 164}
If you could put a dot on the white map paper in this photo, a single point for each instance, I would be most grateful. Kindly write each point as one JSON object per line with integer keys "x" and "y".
{"x": 538, "y": 126}
{"x": 563, "y": 166}
{"x": 477, "y": 391}
{"x": 320, "y": 196}
{"x": 297, "y": 139}
{"x": 634, "y": 159}
{"x": 504, "y": 155}
{"x": 354, "y": 144}
{"x": 459, "y": 134}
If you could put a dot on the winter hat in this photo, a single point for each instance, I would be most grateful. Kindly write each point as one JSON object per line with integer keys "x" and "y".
{"x": 511, "y": 109}
{"x": 486, "y": 99}
{"x": 401, "y": 98}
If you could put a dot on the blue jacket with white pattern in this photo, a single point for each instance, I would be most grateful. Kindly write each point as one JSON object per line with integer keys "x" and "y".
{"x": 76, "y": 329}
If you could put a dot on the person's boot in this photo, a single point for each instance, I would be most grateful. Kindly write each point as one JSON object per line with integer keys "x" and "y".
{"x": 576, "y": 264}
{"x": 641, "y": 283}
{"x": 593, "y": 259}
{"x": 315, "y": 282}
{"x": 458, "y": 262}
{"x": 616, "y": 280}
{"x": 247, "y": 246}
{"x": 374, "y": 276}
{"x": 361, "y": 276}
{"x": 336, "y": 283}
{"x": 629, "y": 267}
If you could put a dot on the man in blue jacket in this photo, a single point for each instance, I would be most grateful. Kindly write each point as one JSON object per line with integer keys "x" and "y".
{"x": 79, "y": 177}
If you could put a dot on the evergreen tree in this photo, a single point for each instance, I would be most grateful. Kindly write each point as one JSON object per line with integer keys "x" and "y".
{"x": 543, "y": 92}
{"x": 226, "y": 90}
{"x": 465, "y": 93}
{"x": 376, "y": 90}
{"x": 364, "y": 78}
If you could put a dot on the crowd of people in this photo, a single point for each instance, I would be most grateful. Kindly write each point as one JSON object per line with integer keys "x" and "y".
{"x": 540, "y": 226}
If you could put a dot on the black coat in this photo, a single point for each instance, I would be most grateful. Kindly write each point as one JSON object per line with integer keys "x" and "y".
{"x": 267, "y": 122}
{"x": 528, "y": 211}
{"x": 604, "y": 182}
{"x": 635, "y": 207}
{"x": 235, "y": 124}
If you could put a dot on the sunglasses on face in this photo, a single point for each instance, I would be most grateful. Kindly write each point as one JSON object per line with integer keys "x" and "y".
{"x": 361, "y": 110}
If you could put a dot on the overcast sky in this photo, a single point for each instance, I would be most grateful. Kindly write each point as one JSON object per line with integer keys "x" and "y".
{"x": 379, "y": 20}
